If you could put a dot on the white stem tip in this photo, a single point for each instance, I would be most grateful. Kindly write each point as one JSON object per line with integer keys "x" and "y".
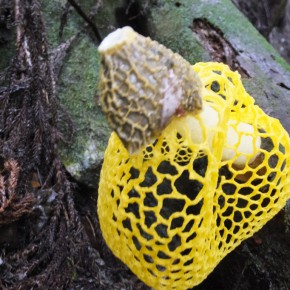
{"x": 117, "y": 38}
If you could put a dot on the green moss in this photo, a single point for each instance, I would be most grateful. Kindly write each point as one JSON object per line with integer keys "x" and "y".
{"x": 171, "y": 23}
{"x": 171, "y": 26}
{"x": 53, "y": 11}
{"x": 106, "y": 20}
{"x": 77, "y": 90}
{"x": 235, "y": 26}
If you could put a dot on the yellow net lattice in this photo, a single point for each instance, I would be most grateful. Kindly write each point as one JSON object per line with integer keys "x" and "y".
{"x": 175, "y": 209}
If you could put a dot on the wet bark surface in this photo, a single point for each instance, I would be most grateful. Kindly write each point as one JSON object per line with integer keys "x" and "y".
{"x": 272, "y": 19}
{"x": 49, "y": 233}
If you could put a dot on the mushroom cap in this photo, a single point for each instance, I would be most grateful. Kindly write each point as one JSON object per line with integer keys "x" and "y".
{"x": 142, "y": 85}
{"x": 175, "y": 209}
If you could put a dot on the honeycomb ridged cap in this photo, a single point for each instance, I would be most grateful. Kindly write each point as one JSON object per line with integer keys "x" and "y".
{"x": 143, "y": 85}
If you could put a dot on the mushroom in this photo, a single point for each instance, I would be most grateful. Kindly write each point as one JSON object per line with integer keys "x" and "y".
{"x": 173, "y": 204}
{"x": 130, "y": 67}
